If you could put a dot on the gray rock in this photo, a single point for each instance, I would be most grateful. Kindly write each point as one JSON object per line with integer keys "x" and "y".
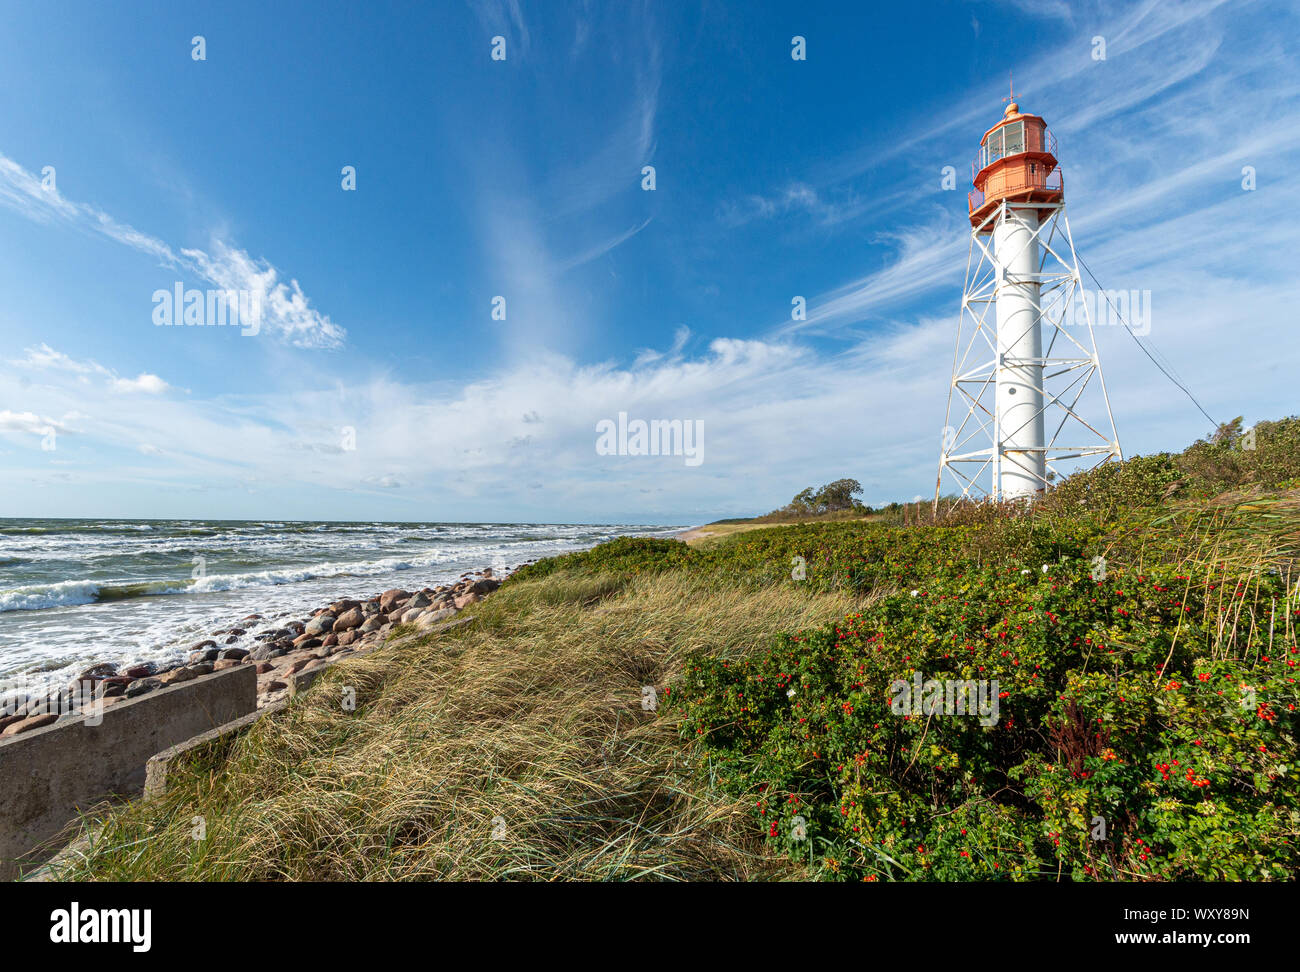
{"x": 319, "y": 625}
{"x": 95, "y": 672}
{"x": 434, "y": 616}
{"x": 140, "y": 686}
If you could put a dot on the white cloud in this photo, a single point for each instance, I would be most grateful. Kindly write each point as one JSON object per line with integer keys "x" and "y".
{"x": 144, "y": 383}
{"x": 286, "y": 311}
{"x": 27, "y": 423}
{"x": 45, "y": 358}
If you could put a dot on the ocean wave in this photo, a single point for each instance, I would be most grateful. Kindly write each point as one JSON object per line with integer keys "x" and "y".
{"x": 36, "y": 597}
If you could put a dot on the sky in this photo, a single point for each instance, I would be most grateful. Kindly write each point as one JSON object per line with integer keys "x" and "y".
{"x": 386, "y": 381}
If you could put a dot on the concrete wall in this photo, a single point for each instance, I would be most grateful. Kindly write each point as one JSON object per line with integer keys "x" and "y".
{"x": 49, "y": 775}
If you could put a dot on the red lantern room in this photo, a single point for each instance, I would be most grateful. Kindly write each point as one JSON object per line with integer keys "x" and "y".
{"x": 1017, "y": 161}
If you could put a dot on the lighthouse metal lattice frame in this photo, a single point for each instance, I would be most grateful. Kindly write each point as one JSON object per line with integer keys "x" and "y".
{"x": 975, "y": 440}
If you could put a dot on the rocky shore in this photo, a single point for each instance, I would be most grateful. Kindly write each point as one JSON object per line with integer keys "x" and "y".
{"x": 283, "y": 647}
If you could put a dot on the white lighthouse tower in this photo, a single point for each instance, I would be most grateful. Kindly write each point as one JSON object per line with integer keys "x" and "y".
{"x": 1018, "y": 405}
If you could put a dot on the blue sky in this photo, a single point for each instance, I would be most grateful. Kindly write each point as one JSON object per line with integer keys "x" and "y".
{"x": 522, "y": 178}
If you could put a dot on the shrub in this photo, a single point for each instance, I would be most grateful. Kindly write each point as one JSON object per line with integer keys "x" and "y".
{"x": 1113, "y": 711}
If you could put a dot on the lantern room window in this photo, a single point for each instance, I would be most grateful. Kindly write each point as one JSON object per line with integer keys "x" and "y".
{"x": 1003, "y": 141}
{"x": 1013, "y": 138}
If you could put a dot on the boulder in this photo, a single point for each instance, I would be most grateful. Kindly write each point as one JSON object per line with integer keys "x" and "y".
{"x": 205, "y": 654}
{"x": 339, "y": 608}
{"x": 320, "y": 625}
{"x": 9, "y": 720}
{"x": 352, "y": 618}
{"x": 96, "y": 672}
{"x": 233, "y": 654}
{"x": 143, "y": 670}
{"x": 347, "y": 637}
{"x": 115, "y": 685}
{"x": 374, "y": 623}
{"x": 142, "y": 685}
{"x": 391, "y": 597}
{"x": 178, "y": 675}
{"x": 411, "y": 614}
{"x": 30, "y": 722}
{"x": 433, "y": 617}
{"x": 418, "y": 600}
{"x": 467, "y": 599}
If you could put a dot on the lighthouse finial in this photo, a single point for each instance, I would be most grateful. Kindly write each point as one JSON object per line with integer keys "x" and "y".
{"x": 1012, "y": 107}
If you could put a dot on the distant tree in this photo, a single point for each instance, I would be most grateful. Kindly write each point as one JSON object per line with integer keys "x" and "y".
{"x": 1228, "y": 432}
{"x": 837, "y": 496}
{"x": 803, "y": 503}
{"x": 834, "y": 497}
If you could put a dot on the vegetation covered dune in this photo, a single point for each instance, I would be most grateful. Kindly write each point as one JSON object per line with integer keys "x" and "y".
{"x": 649, "y": 709}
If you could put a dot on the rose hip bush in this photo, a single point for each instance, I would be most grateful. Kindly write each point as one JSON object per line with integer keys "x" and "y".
{"x": 1126, "y": 747}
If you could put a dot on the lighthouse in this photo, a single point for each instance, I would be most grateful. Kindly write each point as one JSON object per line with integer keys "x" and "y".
{"x": 1020, "y": 413}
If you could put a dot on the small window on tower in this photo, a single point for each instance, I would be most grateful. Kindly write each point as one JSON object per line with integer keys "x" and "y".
{"x": 993, "y": 147}
{"x": 1014, "y": 138}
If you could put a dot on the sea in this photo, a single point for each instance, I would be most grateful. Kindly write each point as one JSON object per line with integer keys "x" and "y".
{"x": 78, "y": 592}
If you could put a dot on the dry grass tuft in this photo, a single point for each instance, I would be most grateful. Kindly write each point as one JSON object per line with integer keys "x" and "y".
{"x": 527, "y": 724}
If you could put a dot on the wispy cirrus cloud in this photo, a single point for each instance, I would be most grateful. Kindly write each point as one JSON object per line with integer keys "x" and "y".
{"x": 43, "y": 358}
{"x": 286, "y": 310}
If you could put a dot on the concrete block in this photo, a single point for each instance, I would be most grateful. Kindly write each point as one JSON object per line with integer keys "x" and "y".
{"x": 161, "y": 764}
{"x": 50, "y": 775}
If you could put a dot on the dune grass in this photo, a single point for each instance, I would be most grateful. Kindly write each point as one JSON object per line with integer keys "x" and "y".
{"x": 514, "y": 747}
